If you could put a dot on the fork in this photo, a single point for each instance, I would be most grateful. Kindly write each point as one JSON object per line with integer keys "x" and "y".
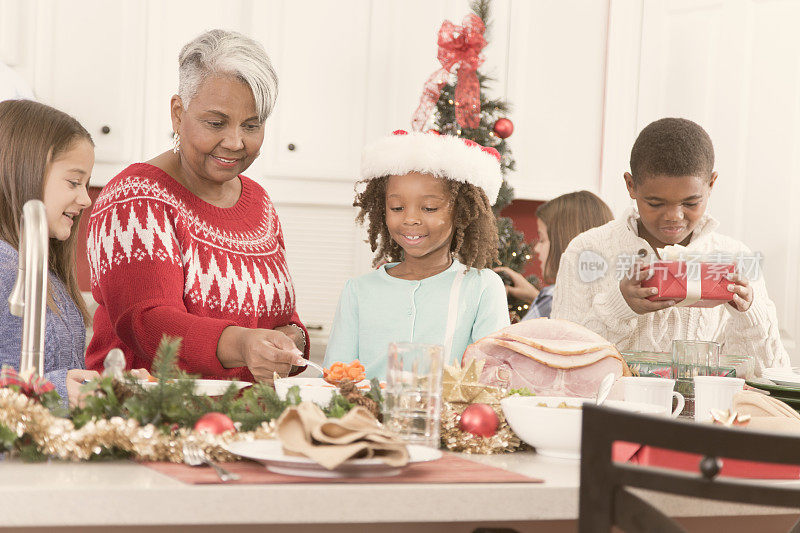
{"x": 314, "y": 365}
{"x": 195, "y": 456}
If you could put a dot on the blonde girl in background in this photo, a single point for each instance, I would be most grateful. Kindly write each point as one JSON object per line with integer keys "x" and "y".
{"x": 558, "y": 222}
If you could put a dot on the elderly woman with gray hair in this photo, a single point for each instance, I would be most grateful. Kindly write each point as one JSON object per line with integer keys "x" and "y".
{"x": 184, "y": 245}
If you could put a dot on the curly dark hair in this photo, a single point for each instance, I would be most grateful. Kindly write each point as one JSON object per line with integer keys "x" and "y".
{"x": 672, "y": 147}
{"x": 475, "y": 238}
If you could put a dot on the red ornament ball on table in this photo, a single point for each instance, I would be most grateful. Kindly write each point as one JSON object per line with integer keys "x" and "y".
{"x": 503, "y": 128}
{"x": 214, "y": 423}
{"x": 479, "y": 419}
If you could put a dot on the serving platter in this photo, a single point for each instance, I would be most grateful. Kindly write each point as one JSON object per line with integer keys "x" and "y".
{"x": 205, "y": 387}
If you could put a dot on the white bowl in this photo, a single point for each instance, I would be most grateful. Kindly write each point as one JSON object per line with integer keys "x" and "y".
{"x": 553, "y": 431}
{"x": 315, "y": 390}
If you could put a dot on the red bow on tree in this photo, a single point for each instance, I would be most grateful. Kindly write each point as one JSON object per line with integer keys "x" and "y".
{"x": 458, "y": 46}
{"x": 32, "y": 387}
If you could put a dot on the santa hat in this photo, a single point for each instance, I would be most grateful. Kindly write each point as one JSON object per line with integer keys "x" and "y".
{"x": 444, "y": 156}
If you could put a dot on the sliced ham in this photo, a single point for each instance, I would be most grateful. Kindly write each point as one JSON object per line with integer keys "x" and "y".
{"x": 555, "y": 360}
{"x": 557, "y": 346}
{"x": 548, "y": 357}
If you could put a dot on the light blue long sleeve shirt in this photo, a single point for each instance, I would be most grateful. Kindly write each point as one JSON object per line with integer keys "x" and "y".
{"x": 64, "y": 334}
{"x": 376, "y": 309}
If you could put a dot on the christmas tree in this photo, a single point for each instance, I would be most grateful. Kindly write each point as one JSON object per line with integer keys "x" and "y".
{"x": 478, "y": 118}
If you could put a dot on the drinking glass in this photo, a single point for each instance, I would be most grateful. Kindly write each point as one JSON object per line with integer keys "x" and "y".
{"x": 413, "y": 395}
{"x": 690, "y": 359}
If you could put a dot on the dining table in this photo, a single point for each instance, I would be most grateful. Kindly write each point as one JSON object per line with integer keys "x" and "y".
{"x": 123, "y": 496}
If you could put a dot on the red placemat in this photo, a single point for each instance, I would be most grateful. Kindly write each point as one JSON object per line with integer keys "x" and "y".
{"x": 449, "y": 469}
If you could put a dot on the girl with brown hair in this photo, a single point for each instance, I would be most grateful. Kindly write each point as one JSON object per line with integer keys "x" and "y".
{"x": 558, "y": 222}
{"x": 45, "y": 154}
{"x": 428, "y": 202}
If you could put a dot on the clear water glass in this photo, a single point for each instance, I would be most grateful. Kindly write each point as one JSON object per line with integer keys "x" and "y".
{"x": 413, "y": 395}
{"x": 690, "y": 359}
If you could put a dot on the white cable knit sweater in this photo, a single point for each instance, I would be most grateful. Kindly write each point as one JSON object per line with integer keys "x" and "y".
{"x": 599, "y": 305}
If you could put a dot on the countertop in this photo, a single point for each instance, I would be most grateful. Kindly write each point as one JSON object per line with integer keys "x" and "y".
{"x": 118, "y": 492}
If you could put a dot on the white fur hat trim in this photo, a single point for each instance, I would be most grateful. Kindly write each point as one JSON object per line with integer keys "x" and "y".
{"x": 444, "y": 156}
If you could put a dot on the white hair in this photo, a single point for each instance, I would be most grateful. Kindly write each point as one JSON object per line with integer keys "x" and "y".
{"x": 224, "y": 52}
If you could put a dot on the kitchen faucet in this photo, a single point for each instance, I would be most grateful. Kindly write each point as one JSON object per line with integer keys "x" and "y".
{"x": 29, "y": 296}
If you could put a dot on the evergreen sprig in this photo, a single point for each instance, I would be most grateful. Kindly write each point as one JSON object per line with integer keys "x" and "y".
{"x": 171, "y": 402}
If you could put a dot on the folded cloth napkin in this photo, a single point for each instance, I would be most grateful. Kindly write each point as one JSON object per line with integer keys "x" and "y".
{"x": 766, "y": 413}
{"x": 305, "y": 430}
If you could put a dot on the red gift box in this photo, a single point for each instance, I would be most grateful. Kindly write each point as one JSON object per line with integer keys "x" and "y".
{"x": 659, "y": 457}
{"x": 703, "y": 283}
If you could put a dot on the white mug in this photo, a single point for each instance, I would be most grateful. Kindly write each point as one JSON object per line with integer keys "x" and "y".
{"x": 656, "y": 391}
{"x": 714, "y": 392}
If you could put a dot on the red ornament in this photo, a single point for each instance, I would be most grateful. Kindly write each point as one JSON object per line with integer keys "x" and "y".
{"x": 214, "y": 423}
{"x": 503, "y": 128}
{"x": 479, "y": 419}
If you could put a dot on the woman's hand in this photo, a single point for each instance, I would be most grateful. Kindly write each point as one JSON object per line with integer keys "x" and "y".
{"x": 294, "y": 333}
{"x": 75, "y": 379}
{"x": 263, "y": 351}
{"x": 636, "y": 296}
{"x": 742, "y": 292}
{"x": 520, "y": 288}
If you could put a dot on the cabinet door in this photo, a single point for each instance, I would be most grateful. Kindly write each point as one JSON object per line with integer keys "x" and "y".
{"x": 319, "y": 50}
{"x": 89, "y": 63}
{"x": 170, "y": 25}
{"x": 16, "y": 49}
{"x": 734, "y": 68}
{"x": 556, "y": 76}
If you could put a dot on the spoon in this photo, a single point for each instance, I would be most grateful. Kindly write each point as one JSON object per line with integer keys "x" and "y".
{"x": 605, "y": 388}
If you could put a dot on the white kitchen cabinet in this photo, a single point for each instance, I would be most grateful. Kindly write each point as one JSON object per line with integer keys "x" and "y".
{"x": 556, "y": 75}
{"x": 12, "y": 17}
{"x": 90, "y": 63}
{"x": 319, "y": 50}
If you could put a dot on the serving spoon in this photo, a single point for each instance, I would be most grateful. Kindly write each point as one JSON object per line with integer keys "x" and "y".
{"x": 605, "y": 388}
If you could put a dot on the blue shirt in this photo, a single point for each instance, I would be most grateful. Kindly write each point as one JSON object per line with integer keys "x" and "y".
{"x": 542, "y": 305}
{"x": 64, "y": 335}
{"x": 376, "y": 309}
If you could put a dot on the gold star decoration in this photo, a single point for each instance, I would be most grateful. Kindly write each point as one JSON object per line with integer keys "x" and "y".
{"x": 462, "y": 385}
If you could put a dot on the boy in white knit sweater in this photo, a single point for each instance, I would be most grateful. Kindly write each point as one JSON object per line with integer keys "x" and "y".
{"x": 599, "y": 279}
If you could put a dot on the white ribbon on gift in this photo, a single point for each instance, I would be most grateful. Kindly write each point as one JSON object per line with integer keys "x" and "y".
{"x": 694, "y": 287}
{"x": 694, "y": 290}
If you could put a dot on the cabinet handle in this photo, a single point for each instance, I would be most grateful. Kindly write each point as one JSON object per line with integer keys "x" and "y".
{"x": 106, "y": 130}
{"x": 291, "y": 147}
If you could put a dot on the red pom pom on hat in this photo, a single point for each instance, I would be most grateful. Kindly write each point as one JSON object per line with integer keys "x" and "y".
{"x": 443, "y": 156}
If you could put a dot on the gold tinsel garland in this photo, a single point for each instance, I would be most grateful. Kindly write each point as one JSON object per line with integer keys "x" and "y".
{"x": 57, "y": 437}
{"x": 460, "y": 388}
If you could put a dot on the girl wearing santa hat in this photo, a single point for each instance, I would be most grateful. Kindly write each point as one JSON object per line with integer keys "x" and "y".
{"x": 427, "y": 202}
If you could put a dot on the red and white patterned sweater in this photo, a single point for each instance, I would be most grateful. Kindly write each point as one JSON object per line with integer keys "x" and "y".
{"x": 164, "y": 262}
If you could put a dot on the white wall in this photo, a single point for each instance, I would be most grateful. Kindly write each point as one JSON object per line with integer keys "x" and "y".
{"x": 583, "y": 77}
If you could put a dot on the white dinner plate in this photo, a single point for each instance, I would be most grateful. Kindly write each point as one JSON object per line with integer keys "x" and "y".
{"x": 205, "y": 387}
{"x": 270, "y": 453}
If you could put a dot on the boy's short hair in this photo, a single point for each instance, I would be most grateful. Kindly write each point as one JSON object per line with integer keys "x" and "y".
{"x": 672, "y": 147}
